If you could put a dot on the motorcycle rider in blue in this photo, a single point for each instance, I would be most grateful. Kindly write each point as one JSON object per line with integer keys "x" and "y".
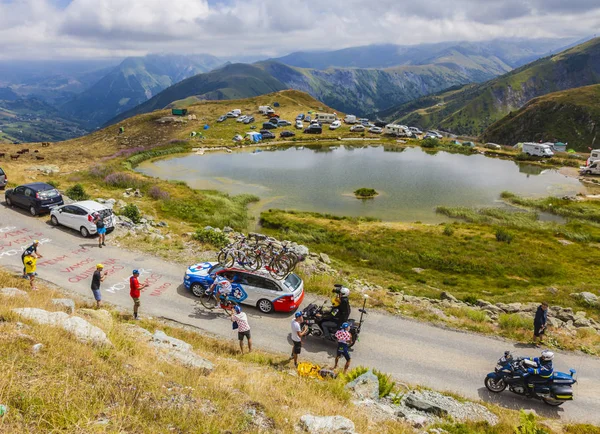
{"x": 540, "y": 374}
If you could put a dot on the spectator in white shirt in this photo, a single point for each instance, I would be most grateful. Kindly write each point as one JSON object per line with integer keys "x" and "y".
{"x": 243, "y": 327}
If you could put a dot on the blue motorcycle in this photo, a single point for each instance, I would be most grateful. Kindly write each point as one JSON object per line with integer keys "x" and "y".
{"x": 510, "y": 373}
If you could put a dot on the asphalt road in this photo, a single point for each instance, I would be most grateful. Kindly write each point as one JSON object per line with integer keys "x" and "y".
{"x": 411, "y": 351}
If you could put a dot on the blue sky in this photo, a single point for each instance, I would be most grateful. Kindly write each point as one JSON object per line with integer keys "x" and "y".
{"x": 118, "y": 28}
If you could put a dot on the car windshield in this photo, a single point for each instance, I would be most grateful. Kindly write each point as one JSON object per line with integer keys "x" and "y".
{"x": 48, "y": 194}
{"x": 1, "y": 172}
{"x": 292, "y": 281}
{"x": 215, "y": 269}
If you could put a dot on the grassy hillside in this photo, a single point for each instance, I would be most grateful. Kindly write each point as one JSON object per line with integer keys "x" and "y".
{"x": 570, "y": 116}
{"x": 233, "y": 81}
{"x": 133, "y": 82}
{"x": 472, "y": 109}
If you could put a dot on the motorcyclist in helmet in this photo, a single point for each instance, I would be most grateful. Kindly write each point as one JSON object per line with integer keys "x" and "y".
{"x": 339, "y": 314}
{"x": 541, "y": 373}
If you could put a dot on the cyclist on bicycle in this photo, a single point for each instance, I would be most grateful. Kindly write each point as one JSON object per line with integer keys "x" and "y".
{"x": 223, "y": 287}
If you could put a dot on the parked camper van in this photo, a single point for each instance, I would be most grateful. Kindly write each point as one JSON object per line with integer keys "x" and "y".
{"x": 325, "y": 118}
{"x": 236, "y": 112}
{"x": 264, "y": 109}
{"x": 538, "y": 150}
{"x": 350, "y": 119}
{"x": 397, "y": 130}
{"x": 592, "y": 169}
{"x": 594, "y": 155}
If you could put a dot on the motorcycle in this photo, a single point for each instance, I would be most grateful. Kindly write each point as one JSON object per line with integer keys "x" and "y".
{"x": 313, "y": 317}
{"x": 509, "y": 373}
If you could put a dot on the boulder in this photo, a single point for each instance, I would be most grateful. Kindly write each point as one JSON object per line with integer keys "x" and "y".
{"x": 326, "y": 424}
{"x": 582, "y": 322}
{"x": 417, "y": 421}
{"x": 418, "y": 270}
{"x": 419, "y": 404}
{"x": 37, "y": 348}
{"x": 447, "y": 296}
{"x": 13, "y": 292}
{"x": 83, "y": 330}
{"x": 66, "y": 304}
{"x": 502, "y": 306}
{"x": 324, "y": 258}
{"x": 513, "y": 307}
{"x": 302, "y": 250}
{"x": 365, "y": 387}
{"x": 587, "y": 297}
{"x": 493, "y": 309}
{"x": 176, "y": 351}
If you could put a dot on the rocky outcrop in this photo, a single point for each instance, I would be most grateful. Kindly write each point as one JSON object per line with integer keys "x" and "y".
{"x": 66, "y": 304}
{"x": 364, "y": 387}
{"x": 326, "y": 424}
{"x": 13, "y": 292}
{"x": 80, "y": 328}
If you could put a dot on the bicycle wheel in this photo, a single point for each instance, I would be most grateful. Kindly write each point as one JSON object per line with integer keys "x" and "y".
{"x": 208, "y": 300}
{"x": 227, "y": 260}
{"x": 279, "y": 269}
{"x": 253, "y": 262}
{"x": 221, "y": 256}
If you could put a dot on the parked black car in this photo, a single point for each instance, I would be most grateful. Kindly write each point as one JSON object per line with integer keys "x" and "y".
{"x": 287, "y": 134}
{"x": 269, "y": 126}
{"x": 3, "y": 179}
{"x": 266, "y": 134}
{"x": 37, "y": 197}
{"x": 313, "y": 129}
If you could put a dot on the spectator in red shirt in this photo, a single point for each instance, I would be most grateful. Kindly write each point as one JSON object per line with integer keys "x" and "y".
{"x": 343, "y": 337}
{"x": 135, "y": 288}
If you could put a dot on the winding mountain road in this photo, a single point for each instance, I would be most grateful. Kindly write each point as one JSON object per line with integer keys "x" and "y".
{"x": 411, "y": 351}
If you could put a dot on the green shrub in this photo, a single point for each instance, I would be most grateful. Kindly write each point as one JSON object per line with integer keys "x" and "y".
{"x": 512, "y": 322}
{"x": 365, "y": 192}
{"x": 503, "y": 236}
{"x": 429, "y": 143}
{"x": 53, "y": 183}
{"x": 470, "y": 299}
{"x": 448, "y": 230}
{"x": 132, "y": 212}
{"x": 209, "y": 236}
{"x": 77, "y": 192}
{"x": 528, "y": 425}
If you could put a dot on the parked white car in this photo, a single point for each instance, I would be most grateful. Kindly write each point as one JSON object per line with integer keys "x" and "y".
{"x": 357, "y": 128}
{"x": 335, "y": 125}
{"x": 241, "y": 118}
{"x": 299, "y": 125}
{"x": 79, "y": 216}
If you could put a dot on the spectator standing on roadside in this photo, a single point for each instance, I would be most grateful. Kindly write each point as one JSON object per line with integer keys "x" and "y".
{"x": 135, "y": 288}
{"x": 29, "y": 251}
{"x": 539, "y": 323}
{"x": 30, "y": 268}
{"x": 100, "y": 229}
{"x": 243, "y": 327}
{"x": 98, "y": 277}
{"x": 343, "y": 338}
{"x": 297, "y": 334}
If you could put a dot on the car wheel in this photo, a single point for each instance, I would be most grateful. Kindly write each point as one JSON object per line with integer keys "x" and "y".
{"x": 588, "y": 172}
{"x": 54, "y": 220}
{"x": 9, "y": 202}
{"x": 197, "y": 289}
{"x": 265, "y": 306}
{"x": 32, "y": 210}
{"x": 84, "y": 232}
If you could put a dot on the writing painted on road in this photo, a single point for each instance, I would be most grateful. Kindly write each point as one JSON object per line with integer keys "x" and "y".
{"x": 14, "y": 241}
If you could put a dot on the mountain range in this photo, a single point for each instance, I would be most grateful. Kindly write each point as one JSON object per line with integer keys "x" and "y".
{"x": 470, "y": 109}
{"x": 571, "y": 116}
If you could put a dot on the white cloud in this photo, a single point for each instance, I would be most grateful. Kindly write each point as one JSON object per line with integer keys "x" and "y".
{"x": 92, "y": 28}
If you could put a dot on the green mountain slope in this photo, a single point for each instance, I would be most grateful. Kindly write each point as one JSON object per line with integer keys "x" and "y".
{"x": 363, "y": 91}
{"x": 473, "y": 108}
{"x": 133, "y": 82}
{"x": 234, "y": 81}
{"x": 570, "y": 116}
{"x": 32, "y": 120}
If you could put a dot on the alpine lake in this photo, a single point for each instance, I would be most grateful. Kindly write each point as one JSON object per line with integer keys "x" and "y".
{"x": 411, "y": 182}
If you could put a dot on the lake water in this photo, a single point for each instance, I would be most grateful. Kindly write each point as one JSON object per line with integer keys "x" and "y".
{"x": 411, "y": 182}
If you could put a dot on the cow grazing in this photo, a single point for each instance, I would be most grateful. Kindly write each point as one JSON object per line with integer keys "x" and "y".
{"x": 15, "y": 157}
